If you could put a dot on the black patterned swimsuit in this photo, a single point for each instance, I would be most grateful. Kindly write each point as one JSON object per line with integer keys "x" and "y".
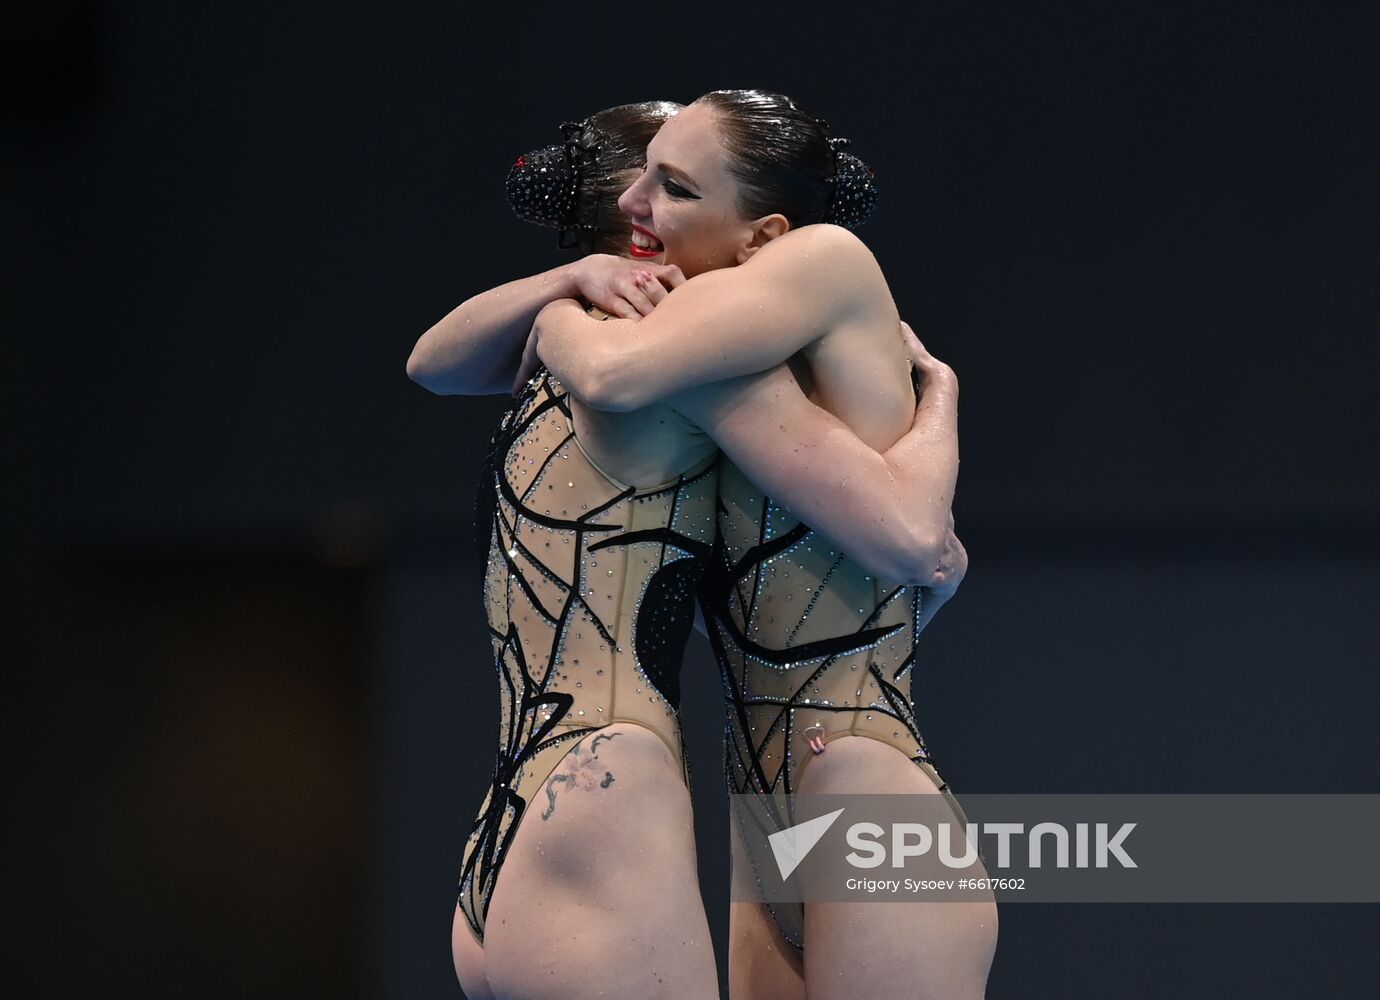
{"x": 589, "y": 590}
{"x": 809, "y": 645}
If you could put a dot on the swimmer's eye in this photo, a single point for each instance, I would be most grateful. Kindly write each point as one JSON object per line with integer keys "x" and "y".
{"x": 676, "y": 191}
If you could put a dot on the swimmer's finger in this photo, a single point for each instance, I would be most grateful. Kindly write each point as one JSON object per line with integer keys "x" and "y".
{"x": 528, "y": 366}
{"x": 670, "y": 276}
{"x": 925, "y": 362}
{"x": 960, "y": 563}
{"x": 655, "y": 291}
{"x": 621, "y": 308}
{"x": 917, "y": 350}
{"x": 638, "y": 299}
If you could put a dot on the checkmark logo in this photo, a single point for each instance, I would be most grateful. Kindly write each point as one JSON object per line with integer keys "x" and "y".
{"x": 792, "y": 844}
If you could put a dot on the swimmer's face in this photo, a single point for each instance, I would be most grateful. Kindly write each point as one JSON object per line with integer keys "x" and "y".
{"x": 615, "y": 231}
{"x": 684, "y": 205}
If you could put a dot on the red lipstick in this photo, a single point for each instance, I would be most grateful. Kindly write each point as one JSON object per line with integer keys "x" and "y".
{"x": 642, "y": 252}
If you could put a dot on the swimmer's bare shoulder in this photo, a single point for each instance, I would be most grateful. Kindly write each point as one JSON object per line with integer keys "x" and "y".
{"x": 834, "y": 268}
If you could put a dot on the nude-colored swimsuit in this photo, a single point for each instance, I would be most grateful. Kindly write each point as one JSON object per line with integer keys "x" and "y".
{"x": 808, "y": 645}
{"x": 589, "y": 590}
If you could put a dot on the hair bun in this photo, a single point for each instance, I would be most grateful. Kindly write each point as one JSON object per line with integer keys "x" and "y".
{"x": 855, "y": 190}
{"x": 541, "y": 187}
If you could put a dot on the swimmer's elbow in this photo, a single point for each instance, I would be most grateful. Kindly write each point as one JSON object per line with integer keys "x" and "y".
{"x": 454, "y": 376}
{"x": 916, "y": 557}
{"x": 417, "y": 368}
{"x": 430, "y": 376}
{"x": 606, "y": 387}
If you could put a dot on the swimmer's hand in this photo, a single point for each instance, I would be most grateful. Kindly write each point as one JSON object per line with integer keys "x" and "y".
{"x": 623, "y": 288}
{"x": 927, "y": 366}
{"x": 529, "y": 364}
{"x": 939, "y": 387}
{"x": 549, "y": 313}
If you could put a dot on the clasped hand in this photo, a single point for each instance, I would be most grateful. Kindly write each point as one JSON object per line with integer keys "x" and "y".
{"x": 620, "y": 287}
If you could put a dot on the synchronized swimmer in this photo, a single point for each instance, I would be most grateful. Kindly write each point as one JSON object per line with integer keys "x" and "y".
{"x": 745, "y": 419}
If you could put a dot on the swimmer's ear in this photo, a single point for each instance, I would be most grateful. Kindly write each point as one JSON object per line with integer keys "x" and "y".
{"x": 764, "y": 230}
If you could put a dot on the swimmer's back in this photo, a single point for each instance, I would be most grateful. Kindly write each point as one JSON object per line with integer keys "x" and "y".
{"x": 642, "y": 448}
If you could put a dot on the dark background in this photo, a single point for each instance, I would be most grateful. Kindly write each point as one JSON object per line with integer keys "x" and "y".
{"x": 251, "y": 715}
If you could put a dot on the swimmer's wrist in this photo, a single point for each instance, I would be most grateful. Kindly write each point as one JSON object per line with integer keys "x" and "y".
{"x": 938, "y": 386}
{"x": 567, "y": 285}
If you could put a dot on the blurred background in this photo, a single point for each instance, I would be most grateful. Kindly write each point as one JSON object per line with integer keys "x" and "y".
{"x": 253, "y": 711}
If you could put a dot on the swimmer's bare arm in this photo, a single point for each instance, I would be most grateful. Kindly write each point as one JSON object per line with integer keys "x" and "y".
{"x": 953, "y": 558}
{"x": 733, "y": 321}
{"x": 953, "y": 566}
{"x": 476, "y": 348}
{"x": 890, "y": 511}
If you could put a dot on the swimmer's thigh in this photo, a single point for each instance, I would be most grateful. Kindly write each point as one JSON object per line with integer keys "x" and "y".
{"x": 920, "y": 950}
{"x": 598, "y": 896}
{"x": 468, "y": 955}
{"x": 762, "y": 964}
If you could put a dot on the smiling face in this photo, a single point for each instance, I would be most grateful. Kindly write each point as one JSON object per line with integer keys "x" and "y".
{"x": 685, "y": 204}
{"x": 614, "y": 232}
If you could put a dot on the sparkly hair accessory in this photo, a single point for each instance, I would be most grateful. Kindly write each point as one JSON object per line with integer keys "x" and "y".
{"x": 854, "y": 197}
{"x": 543, "y": 184}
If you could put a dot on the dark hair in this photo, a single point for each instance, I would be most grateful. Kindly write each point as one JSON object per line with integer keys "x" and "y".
{"x": 574, "y": 186}
{"x": 787, "y": 164}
